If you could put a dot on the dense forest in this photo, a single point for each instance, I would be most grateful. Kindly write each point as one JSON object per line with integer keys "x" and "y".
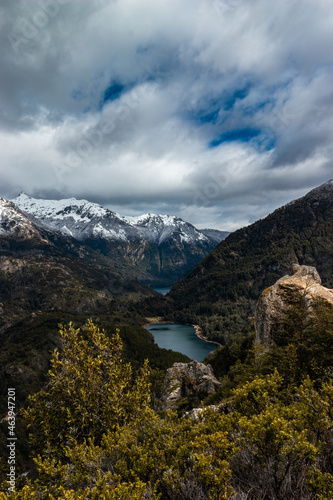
{"x": 267, "y": 433}
{"x": 221, "y": 292}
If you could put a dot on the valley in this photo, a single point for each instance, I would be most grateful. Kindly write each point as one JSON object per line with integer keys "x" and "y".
{"x": 166, "y": 250}
{"x": 56, "y": 269}
{"x": 220, "y": 293}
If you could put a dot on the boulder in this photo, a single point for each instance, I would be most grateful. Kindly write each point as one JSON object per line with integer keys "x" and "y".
{"x": 275, "y": 300}
{"x": 194, "y": 381}
{"x": 199, "y": 413}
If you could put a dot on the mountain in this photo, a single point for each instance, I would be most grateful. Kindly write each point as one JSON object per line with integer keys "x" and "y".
{"x": 215, "y": 234}
{"x": 156, "y": 249}
{"x": 47, "y": 278}
{"x": 220, "y": 293}
{"x": 43, "y": 269}
{"x": 14, "y": 225}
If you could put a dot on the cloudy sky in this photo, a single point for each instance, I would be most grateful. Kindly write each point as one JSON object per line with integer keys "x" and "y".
{"x": 218, "y": 111}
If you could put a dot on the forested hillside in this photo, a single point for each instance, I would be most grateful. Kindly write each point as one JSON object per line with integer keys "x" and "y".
{"x": 220, "y": 293}
{"x": 95, "y": 435}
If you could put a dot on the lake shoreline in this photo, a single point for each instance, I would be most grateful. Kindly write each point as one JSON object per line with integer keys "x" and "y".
{"x": 197, "y": 330}
{"x": 200, "y": 335}
{"x": 160, "y": 323}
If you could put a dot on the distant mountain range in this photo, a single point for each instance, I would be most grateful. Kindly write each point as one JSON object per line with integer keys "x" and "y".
{"x": 43, "y": 269}
{"x": 62, "y": 260}
{"x": 155, "y": 249}
{"x": 48, "y": 277}
{"x": 221, "y": 291}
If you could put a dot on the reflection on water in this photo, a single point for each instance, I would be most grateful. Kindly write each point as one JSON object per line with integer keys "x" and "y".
{"x": 181, "y": 338}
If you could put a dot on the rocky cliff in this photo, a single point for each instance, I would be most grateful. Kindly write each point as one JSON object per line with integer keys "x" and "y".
{"x": 303, "y": 282}
{"x": 191, "y": 381}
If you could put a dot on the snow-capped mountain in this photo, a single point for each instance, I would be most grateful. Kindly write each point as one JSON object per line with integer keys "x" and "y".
{"x": 160, "y": 247}
{"x": 159, "y": 228}
{"x": 83, "y": 219}
{"x": 14, "y": 224}
{"x": 42, "y": 269}
{"x": 78, "y": 218}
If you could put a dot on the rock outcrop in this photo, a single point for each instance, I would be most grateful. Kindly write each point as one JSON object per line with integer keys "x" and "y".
{"x": 193, "y": 381}
{"x": 198, "y": 413}
{"x": 275, "y": 300}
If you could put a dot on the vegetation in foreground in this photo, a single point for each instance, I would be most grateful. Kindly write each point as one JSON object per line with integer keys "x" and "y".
{"x": 95, "y": 434}
{"x": 221, "y": 292}
{"x": 26, "y": 352}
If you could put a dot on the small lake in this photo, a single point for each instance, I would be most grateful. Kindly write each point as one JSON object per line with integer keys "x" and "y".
{"x": 181, "y": 338}
{"x": 162, "y": 289}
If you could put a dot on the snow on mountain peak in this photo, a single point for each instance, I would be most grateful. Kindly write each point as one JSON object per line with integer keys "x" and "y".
{"x": 15, "y": 223}
{"x": 79, "y": 210}
{"x": 83, "y": 220}
{"x": 323, "y": 191}
{"x": 145, "y": 219}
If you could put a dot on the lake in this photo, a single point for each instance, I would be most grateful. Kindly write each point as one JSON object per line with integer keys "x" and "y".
{"x": 181, "y": 338}
{"x": 162, "y": 289}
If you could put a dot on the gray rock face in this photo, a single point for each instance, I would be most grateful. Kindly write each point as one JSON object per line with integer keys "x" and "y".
{"x": 193, "y": 381}
{"x": 274, "y": 300}
{"x": 14, "y": 224}
{"x": 198, "y": 413}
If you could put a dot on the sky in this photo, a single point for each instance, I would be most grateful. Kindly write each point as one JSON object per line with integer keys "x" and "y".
{"x": 217, "y": 111}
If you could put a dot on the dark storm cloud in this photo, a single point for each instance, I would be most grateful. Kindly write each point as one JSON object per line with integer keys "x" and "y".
{"x": 218, "y": 111}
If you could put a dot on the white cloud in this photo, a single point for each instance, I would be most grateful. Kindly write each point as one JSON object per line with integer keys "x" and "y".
{"x": 191, "y": 71}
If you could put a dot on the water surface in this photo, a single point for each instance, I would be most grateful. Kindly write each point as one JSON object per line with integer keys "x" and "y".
{"x": 162, "y": 289}
{"x": 181, "y": 338}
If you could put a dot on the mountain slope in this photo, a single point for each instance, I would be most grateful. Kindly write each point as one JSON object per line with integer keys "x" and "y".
{"x": 15, "y": 226}
{"x": 47, "y": 278}
{"x": 156, "y": 249}
{"x": 215, "y": 234}
{"x": 45, "y": 270}
{"x": 220, "y": 292}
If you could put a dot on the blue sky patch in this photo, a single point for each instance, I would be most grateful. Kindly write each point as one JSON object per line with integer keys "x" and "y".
{"x": 113, "y": 92}
{"x": 210, "y": 117}
{"x": 237, "y": 95}
{"x": 77, "y": 95}
{"x": 266, "y": 140}
{"x": 240, "y": 135}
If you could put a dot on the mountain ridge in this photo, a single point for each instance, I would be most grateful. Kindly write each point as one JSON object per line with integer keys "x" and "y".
{"x": 220, "y": 292}
{"x": 84, "y": 211}
{"x": 46, "y": 270}
{"x": 156, "y": 249}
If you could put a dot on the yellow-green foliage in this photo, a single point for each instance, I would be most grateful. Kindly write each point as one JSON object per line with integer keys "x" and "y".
{"x": 96, "y": 437}
{"x": 100, "y": 439}
{"x": 90, "y": 389}
{"x": 284, "y": 443}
